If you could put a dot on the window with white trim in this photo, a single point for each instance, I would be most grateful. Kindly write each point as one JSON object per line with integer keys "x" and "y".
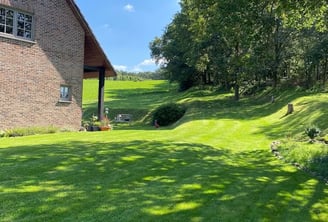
{"x": 16, "y": 23}
{"x": 65, "y": 93}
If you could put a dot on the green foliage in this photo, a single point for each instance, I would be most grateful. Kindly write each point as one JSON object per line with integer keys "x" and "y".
{"x": 312, "y": 157}
{"x": 168, "y": 113}
{"x": 139, "y": 76}
{"x": 16, "y": 132}
{"x": 232, "y": 43}
{"x": 312, "y": 132}
{"x": 137, "y": 98}
{"x": 213, "y": 166}
{"x": 2, "y": 133}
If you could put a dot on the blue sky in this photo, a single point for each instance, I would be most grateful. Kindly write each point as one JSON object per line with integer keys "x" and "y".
{"x": 124, "y": 28}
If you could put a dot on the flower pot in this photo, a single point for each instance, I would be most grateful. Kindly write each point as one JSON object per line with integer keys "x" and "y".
{"x": 104, "y": 128}
{"x": 93, "y": 128}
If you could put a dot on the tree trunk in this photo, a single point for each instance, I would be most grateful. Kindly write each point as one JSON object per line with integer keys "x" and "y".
{"x": 290, "y": 108}
{"x": 275, "y": 77}
{"x": 277, "y": 51}
{"x": 204, "y": 78}
{"x": 325, "y": 72}
{"x": 238, "y": 68}
{"x": 236, "y": 88}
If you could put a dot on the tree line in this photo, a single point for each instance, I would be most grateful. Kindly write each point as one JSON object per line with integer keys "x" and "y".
{"x": 245, "y": 43}
{"x": 139, "y": 76}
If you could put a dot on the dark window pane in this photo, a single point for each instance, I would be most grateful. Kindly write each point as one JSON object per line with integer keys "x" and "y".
{"x": 28, "y": 26}
{"x": 20, "y": 33}
{"x": 28, "y": 35}
{"x": 9, "y": 30}
{"x": 10, "y": 14}
{"x": 2, "y": 11}
{"x": 2, "y": 20}
{"x": 20, "y": 25}
{"x": 2, "y": 28}
{"x": 28, "y": 18}
{"x": 21, "y": 17}
{"x": 9, "y": 21}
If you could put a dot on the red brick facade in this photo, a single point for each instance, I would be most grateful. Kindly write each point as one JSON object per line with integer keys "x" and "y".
{"x": 31, "y": 72}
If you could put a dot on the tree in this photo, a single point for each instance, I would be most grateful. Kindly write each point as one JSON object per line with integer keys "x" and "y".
{"x": 234, "y": 43}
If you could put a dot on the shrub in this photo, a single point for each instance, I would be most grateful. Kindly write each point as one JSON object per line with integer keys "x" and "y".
{"x": 312, "y": 132}
{"x": 312, "y": 157}
{"x": 28, "y": 131}
{"x": 185, "y": 85}
{"x": 168, "y": 114}
{"x": 2, "y": 133}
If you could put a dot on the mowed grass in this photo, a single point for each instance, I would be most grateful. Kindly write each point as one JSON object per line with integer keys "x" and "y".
{"x": 213, "y": 165}
{"x": 136, "y": 98}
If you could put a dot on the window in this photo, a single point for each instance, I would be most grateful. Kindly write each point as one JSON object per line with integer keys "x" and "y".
{"x": 16, "y": 23}
{"x": 65, "y": 94}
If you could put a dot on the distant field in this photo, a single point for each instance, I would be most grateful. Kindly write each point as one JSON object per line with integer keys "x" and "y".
{"x": 213, "y": 165}
{"x": 136, "y": 98}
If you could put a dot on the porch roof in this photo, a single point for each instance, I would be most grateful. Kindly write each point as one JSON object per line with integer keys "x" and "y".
{"x": 94, "y": 55}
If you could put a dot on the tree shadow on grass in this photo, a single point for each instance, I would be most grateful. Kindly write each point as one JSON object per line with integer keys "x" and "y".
{"x": 248, "y": 108}
{"x": 198, "y": 108}
{"x": 305, "y": 114}
{"x": 137, "y": 101}
{"x": 152, "y": 181}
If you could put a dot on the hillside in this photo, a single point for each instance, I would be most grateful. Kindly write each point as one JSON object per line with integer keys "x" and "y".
{"x": 247, "y": 126}
{"x": 253, "y": 119}
{"x": 140, "y": 98}
{"x": 214, "y": 164}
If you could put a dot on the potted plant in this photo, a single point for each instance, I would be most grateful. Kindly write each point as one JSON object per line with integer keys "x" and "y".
{"x": 94, "y": 124}
{"x": 105, "y": 124}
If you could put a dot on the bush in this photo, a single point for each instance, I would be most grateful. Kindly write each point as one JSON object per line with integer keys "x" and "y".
{"x": 2, "y": 133}
{"x": 185, "y": 85}
{"x": 312, "y": 157}
{"x": 168, "y": 114}
{"x": 28, "y": 131}
{"x": 312, "y": 132}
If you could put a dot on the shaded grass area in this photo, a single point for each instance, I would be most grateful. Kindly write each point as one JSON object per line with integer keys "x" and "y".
{"x": 309, "y": 110}
{"x": 214, "y": 164}
{"x": 257, "y": 113}
{"x": 136, "y": 98}
{"x": 145, "y": 180}
{"x": 269, "y": 120}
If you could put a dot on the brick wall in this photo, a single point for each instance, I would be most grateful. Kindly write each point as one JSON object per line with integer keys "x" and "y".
{"x": 31, "y": 72}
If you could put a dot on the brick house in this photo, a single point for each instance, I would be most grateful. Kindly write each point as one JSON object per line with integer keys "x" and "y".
{"x": 46, "y": 50}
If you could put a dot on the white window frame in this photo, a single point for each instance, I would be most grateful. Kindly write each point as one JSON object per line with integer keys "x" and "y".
{"x": 65, "y": 93}
{"x": 22, "y": 24}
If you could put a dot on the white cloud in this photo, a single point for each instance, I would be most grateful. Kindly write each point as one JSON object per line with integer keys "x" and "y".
{"x": 145, "y": 65}
{"x": 129, "y": 8}
{"x": 147, "y": 62}
{"x": 120, "y": 67}
{"x": 142, "y": 65}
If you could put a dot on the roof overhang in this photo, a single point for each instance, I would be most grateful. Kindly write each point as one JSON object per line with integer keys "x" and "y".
{"x": 94, "y": 55}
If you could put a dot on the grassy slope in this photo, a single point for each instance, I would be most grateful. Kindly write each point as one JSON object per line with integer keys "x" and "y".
{"x": 214, "y": 165}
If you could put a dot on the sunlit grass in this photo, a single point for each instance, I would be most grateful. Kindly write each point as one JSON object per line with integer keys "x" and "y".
{"x": 213, "y": 165}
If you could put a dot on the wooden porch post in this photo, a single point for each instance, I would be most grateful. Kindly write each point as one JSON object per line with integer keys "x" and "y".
{"x": 101, "y": 93}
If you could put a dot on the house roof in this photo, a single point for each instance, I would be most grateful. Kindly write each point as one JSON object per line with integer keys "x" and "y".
{"x": 94, "y": 55}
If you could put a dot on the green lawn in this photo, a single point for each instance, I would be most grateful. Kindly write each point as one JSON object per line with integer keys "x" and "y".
{"x": 213, "y": 165}
{"x": 136, "y": 98}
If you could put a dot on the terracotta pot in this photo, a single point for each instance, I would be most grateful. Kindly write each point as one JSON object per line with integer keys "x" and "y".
{"x": 104, "y": 128}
